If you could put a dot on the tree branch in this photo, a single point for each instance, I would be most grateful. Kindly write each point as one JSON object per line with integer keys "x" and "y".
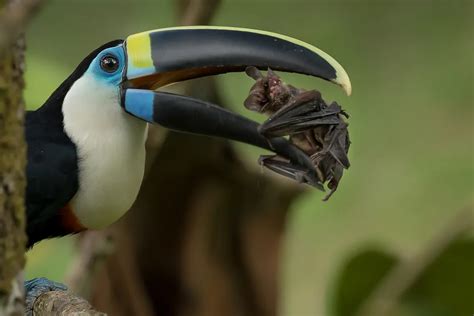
{"x": 12, "y": 177}
{"x": 93, "y": 248}
{"x": 13, "y": 19}
{"x": 195, "y": 12}
{"x": 62, "y": 303}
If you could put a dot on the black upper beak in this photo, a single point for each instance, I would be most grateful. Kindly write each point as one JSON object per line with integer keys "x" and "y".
{"x": 160, "y": 57}
{"x": 163, "y": 56}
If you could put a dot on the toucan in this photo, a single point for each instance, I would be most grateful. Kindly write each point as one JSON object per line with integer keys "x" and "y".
{"x": 86, "y": 143}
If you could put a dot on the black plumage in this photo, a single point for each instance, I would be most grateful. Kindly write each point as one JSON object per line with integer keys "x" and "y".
{"x": 52, "y": 176}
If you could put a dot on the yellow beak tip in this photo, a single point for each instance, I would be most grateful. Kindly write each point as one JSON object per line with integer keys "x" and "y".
{"x": 347, "y": 88}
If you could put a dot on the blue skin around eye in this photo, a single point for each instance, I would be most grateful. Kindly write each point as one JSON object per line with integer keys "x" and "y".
{"x": 114, "y": 78}
{"x": 140, "y": 103}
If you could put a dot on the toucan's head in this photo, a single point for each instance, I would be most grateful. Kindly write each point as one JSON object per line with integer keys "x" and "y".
{"x": 125, "y": 74}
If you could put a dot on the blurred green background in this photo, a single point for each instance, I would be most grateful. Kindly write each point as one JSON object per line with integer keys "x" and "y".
{"x": 411, "y": 66}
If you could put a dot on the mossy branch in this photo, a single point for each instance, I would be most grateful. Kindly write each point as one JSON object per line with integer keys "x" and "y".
{"x": 62, "y": 303}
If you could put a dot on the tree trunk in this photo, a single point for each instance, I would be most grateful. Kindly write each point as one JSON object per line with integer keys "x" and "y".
{"x": 12, "y": 179}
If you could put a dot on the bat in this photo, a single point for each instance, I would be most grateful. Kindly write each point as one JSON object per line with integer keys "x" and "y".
{"x": 317, "y": 128}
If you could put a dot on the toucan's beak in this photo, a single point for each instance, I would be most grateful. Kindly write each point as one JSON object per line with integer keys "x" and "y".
{"x": 165, "y": 56}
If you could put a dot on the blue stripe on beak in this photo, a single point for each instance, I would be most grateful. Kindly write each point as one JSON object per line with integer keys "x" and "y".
{"x": 139, "y": 103}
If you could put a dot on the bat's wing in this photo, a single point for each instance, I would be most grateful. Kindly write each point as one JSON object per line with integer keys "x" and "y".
{"x": 336, "y": 142}
{"x": 285, "y": 168}
{"x": 305, "y": 112}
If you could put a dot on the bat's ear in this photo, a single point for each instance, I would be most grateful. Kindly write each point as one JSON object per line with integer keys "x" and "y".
{"x": 255, "y": 102}
{"x": 253, "y": 73}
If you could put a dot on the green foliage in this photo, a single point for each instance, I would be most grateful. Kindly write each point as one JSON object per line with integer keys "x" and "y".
{"x": 447, "y": 285}
{"x": 444, "y": 287}
{"x": 358, "y": 278}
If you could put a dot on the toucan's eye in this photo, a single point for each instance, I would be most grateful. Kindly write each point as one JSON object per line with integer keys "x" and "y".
{"x": 109, "y": 63}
